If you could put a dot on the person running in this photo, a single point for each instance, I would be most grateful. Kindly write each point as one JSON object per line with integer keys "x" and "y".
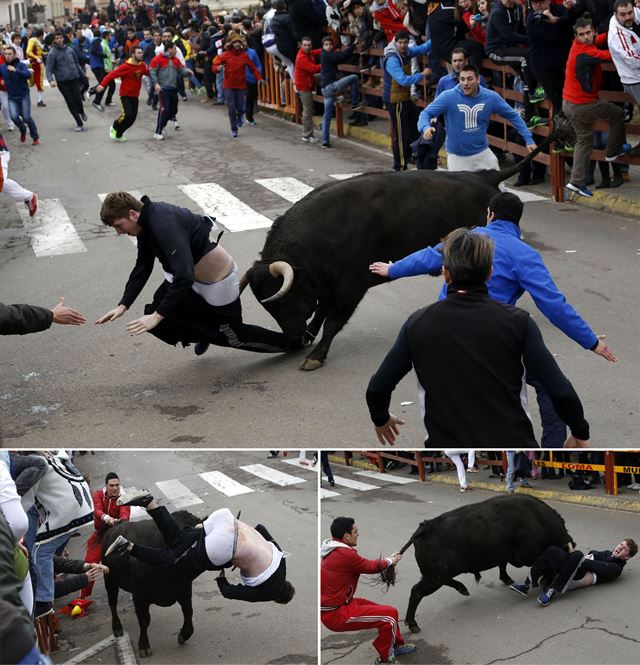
{"x": 101, "y": 63}
{"x": 221, "y": 541}
{"x": 199, "y": 301}
{"x": 16, "y": 78}
{"x": 165, "y": 72}
{"x": 35, "y": 53}
{"x": 130, "y": 74}
{"x": 11, "y": 187}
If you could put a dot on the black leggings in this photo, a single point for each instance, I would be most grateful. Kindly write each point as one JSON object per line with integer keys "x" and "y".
{"x": 168, "y": 108}
{"x": 99, "y": 73}
{"x": 127, "y": 116}
{"x": 72, "y": 93}
{"x": 559, "y": 566}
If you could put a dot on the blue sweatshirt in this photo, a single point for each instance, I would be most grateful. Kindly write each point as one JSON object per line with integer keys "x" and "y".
{"x": 516, "y": 268}
{"x": 393, "y": 65}
{"x": 255, "y": 58}
{"x": 467, "y": 119}
{"x": 17, "y": 83}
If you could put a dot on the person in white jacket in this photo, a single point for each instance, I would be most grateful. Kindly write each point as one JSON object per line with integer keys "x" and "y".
{"x": 624, "y": 45}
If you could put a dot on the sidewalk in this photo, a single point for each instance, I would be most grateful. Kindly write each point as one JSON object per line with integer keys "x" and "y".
{"x": 623, "y": 200}
{"x": 548, "y": 490}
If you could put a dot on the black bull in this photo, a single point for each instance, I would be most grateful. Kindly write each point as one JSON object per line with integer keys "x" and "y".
{"x": 148, "y": 585}
{"x": 316, "y": 257}
{"x": 508, "y": 529}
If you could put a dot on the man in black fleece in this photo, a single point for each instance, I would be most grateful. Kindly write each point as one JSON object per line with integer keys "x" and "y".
{"x": 25, "y": 319}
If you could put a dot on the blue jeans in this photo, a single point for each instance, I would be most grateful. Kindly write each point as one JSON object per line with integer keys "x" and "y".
{"x": 20, "y": 112}
{"x": 219, "y": 84}
{"x": 42, "y": 556}
{"x": 235, "y": 100}
{"x": 329, "y": 92}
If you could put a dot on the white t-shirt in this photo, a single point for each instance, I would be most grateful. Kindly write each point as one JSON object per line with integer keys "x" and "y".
{"x": 7, "y": 485}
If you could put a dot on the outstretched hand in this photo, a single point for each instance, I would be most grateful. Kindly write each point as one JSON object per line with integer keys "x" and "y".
{"x": 602, "y": 349}
{"x": 389, "y": 432}
{"x": 380, "y": 268}
{"x": 573, "y": 442}
{"x": 144, "y": 324}
{"x": 67, "y": 316}
{"x": 112, "y": 315}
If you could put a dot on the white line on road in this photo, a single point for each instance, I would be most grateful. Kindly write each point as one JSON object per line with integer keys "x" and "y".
{"x": 228, "y": 210}
{"x": 343, "y": 176}
{"x": 327, "y": 494}
{"x": 54, "y": 234}
{"x": 136, "y": 194}
{"x": 179, "y": 495}
{"x": 296, "y": 462}
{"x": 526, "y": 197}
{"x": 354, "y": 484}
{"x": 386, "y": 476}
{"x": 272, "y": 475}
{"x": 290, "y": 189}
{"x": 219, "y": 481}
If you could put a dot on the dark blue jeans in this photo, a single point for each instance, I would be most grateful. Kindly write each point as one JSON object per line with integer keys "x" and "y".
{"x": 554, "y": 431}
{"x": 330, "y": 91}
{"x": 168, "y": 98}
{"x": 235, "y": 101}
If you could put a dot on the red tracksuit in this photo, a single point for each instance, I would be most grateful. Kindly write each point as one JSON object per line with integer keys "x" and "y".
{"x": 102, "y": 505}
{"x": 340, "y": 570}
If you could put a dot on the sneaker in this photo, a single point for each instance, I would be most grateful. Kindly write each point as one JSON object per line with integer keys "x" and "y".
{"x": 201, "y": 347}
{"x": 536, "y": 121}
{"x": 253, "y": 123}
{"x": 135, "y": 497}
{"x": 310, "y": 139}
{"x": 41, "y": 104}
{"x": 522, "y": 589}
{"x": 525, "y": 484}
{"x": 118, "y": 546}
{"x": 23, "y": 137}
{"x": 121, "y": 139}
{"x": 98, "y": 107}
{"x": 626, "y": 147}
{"x": 569, "y": 148}
{"x": 79, "y": 128}
{"x": 326, "y": 144}
{"x": 240, "y": 123}
{"x": 391, "y": 661}
{"x": 464, "y": 490}
{"x": 634, "y": 486}
{"x": 537, "y": 95}
{"x": 84, "y": 117}
{"x": 112, "y": 133}
{"x": 35, "y": 142}
{"x": 154, "y": 107}
{"x": 176, "y": 126}
{"x": 558, "y": 148}
{"x": 234, "y": 134}
{"x": 42, "y": 609}
{"x": 405, "y": 649}
{"x": 273, "y": 454}
{"x": 338, "y": 99}
{"x": 546, "y": 596}
{"x": 110, "y": 104}
{"x": 357, "y": 106}
{"x": 32, "y": 205}
{"x": 583, "y": 190}
{"x": 158, "y": 137}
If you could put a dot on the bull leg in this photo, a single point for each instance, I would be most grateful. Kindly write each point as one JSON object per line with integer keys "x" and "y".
{"x": 314, "y": 326}
{"x": 187, "y": 613}
{"x": 458, "y": 586}
{"x": 112, "y": 595}
{"x": 418, "y": 592}
{"x": 144, "y": 619}
{"x": 505, "y": 578}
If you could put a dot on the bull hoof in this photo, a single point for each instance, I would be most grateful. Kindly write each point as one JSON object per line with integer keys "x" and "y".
{"x": 183, "y": 637}
{"x": 118, "y": 632}
{"x": 145, "y": 653}
{"x": 465, "y": 592}
{"x": 310, "y": 364}
{"x": 508, "y": 581}
{"x": 414, "y": 628}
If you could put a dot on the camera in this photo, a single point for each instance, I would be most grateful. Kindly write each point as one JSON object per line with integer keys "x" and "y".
{"x": 538, "y": 17}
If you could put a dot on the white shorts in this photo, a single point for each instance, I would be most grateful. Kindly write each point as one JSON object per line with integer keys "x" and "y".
{"x": 478, "y": 162}
{"x": 221, "y": 536}
{"x": 219, "y": 293}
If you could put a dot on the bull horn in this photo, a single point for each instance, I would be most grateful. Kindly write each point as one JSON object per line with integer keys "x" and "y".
{"x": 244, "y": 280}
{"x": 277, "y": 269}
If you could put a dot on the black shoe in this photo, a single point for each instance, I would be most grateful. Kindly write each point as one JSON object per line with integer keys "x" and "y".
{"x": 84, "y": 117}
{"x": 332, "y": 483}
{"x": 201, "y": 347}
{"x": 358, "y": 123}
{"x": 605, "y": 184}
{"x": 135, "y": 497}
{"x": 154, "y": 107}
{"x": 41, "y": 104}
{"x": 272, "y": 454}
{"x": 118, "y": 546}
{"x": 326, "y": 144}
{"x": 537, "y": 181}
{"x": 42, "y": 608}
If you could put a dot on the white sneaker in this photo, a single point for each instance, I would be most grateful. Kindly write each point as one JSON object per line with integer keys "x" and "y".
{"x": 310, "y": 139}
{"x": 158, "y": 137}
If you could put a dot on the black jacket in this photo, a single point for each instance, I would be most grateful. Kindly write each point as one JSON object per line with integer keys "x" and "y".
{"x": 24, "y": 319}
{"x": 605, "y": 566}
{"x": 307, "y": 19}
{"x": 329, "y": 63}
{"x": 282, "y": 30}
{"x": 549, "y": 44}
{"x": 505, "y": 28}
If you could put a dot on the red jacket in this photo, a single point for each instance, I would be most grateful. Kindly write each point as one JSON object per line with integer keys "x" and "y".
{"x": 304, "y": 70}
{"x": 340, "y": 570}
{"x": 130, "y": 74}
{"x": 583, "y": 77}
{"x": 103, "y": 505}
{"x": 234, "y": 69}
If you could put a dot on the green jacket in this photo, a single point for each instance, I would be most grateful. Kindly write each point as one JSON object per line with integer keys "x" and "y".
{"x": 108, "y": 56}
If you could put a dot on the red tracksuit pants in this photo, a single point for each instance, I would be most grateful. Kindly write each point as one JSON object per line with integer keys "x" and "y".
{"x": 93, "y": 555}
{"x": 361, "y": 614}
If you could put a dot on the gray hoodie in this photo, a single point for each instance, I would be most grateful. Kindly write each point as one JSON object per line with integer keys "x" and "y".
{"x": 62, "y": 64}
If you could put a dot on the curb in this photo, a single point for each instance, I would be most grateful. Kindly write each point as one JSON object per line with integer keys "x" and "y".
{"x": 609, "y": 502}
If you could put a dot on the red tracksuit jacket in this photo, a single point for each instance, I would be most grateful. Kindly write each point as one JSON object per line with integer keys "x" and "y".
{"x": 304, "y": 70}
{"x": 130, "y": 74}
{"x": 103, "y": 505}
{"x": 583, "y": 77}
{"x": 234, "y": 68}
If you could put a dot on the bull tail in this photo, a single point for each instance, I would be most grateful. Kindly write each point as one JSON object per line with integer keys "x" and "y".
{"x": 388, "y": 576}
{"x": 561, "y": 130}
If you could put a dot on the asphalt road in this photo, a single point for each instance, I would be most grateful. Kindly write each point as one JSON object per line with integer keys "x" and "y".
{"x": 493, "y": 625}
{"x": 96, "y": 386}
{"x": 226, "y": 631}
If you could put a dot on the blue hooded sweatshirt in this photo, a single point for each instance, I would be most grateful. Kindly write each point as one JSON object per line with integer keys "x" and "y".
{"x": 467, "y": 119}
{"x": 516, "y": 268}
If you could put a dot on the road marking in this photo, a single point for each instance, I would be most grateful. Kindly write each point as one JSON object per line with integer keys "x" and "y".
{"x": 327, "y": 494}
{"x": 54, "y": 233}
{"x": 525, "y": 197}
{"x": 296, "y": 462}
{"x": 137, "y": 194}
{"x": 219, "y": 481}
{"x": 386, "y": 477}
{"x": 272, "y": 475}
{"x": 179, "y": 495}
{"x": 228, "y": 210}
{"x": 343, "y": 176}
{"x": 290, "y": 189}
{"x": 354, "y": 484}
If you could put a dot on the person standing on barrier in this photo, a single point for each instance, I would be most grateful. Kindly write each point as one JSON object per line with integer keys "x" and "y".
{"x": 396, "y": 94}
{"x": 517, "y": 268}
{"x": 340, "y": 610}
{"x": 305, "y": 73}
{"x": 564, "y": 571}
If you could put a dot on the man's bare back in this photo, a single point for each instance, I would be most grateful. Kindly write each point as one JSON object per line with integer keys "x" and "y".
{"x": 213, "y": 266}
{"x": 253, "y": 553}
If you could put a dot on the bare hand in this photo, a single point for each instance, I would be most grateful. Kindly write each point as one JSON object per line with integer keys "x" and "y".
{"x": 389, "y": 432}
{"x": 67, "y": 316}
{"x": 144, "y": 324}
{"x": 23, "y": 549}
{"x": 112, "y": 315}
{"x": 157, "y": 88}
{"x": 99, "y": 89}
{"x": 11, "y": 68}
{"x": 92, "y": 574}
{"x": 426, "y": 73}
{"x": 531, "y": 147}
{"x": 380, "y": 268}
{"x": 428, "y": 133}
{"x": 53, "y": 84}
{"x": 572, "y": 442}
{"x": 395, "y": 557}
{"x": 603, "y": 350}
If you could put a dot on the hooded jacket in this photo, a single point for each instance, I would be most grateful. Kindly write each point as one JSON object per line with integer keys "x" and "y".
{"x": 624, "y": 45}
{"x": 505, "y": 28}
{"x": 398, "y": 79}
{"x": 282, "y": 30}
{"x": 62, "y": 64}
{"x": 235, "y": 66}
{"x": 340, "y": 571}
{"x": 105, "y": 506}
{"x": 130, "y": 74}
{"x": 17, "y": 83}
{"x": 165, "y": 70}
{"x": 583, "y": 76}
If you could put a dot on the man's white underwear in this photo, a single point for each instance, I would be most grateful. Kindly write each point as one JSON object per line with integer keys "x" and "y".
{"x": 219, "y": 293}
{"x": 478, "y": 162}
{"x": 221, "y": 536}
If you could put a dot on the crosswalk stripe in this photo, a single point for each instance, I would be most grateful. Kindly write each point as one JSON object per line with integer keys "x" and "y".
{"x": 326, "y": 494}
{"x": 179, "y": 495}
{"x": 272, "y": 475}
{"x": 386, "y": 477}
{"x": 290, "y": 189}
{"x": 526, "y": 197}
{"x": 136, "y": 194}
{"x": 296, "y": 462}
{"x": 354, "y": 484}
{"x": 54, "y": 234}
{"x": 221, "y": 482}
{"x": 228, "y": 210}
{"x": 343, "y": 176}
